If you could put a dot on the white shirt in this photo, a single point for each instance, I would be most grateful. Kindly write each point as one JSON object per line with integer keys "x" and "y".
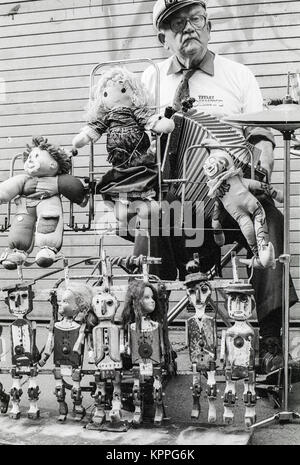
{"x": 232, "y": 89}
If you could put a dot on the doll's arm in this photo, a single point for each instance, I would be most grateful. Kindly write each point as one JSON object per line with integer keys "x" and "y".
{"x": 72, "y": 188}
{"x": 257, "y": 187}
{"x": 80, "y": 339}
{"x": 89, "y": 133}
{"x": 12, "y": 187}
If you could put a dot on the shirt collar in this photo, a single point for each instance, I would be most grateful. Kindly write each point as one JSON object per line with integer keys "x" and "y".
{"x": 206, "y": 64}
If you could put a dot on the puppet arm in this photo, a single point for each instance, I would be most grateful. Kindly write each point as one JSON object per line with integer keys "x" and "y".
{"x": 257, "y": 187}
{"x": 219, "y": 236}
{"x": 12, "y": 187}
{"x": 72, "y": 188}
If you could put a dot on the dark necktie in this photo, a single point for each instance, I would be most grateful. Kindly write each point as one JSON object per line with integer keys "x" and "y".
{"x": 182, "y": 91}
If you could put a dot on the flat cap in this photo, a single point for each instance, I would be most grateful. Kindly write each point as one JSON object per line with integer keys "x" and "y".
{"x": 164, "y": 8}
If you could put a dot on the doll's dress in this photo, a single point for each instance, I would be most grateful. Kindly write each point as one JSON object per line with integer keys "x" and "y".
{"x": 134, "y": 171}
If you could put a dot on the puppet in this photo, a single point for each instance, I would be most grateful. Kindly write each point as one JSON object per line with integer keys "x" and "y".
{"x": 39, "y": 215}
{"x": 66, "y": 340}
{"x": 234, "y": 193}
{"x": 145, "y": 321}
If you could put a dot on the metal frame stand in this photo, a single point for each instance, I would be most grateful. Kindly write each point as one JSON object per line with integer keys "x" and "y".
{"x": 284, "y": 416}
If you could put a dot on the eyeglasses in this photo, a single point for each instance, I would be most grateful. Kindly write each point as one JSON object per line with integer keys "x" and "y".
{"x": 178, "y": 24}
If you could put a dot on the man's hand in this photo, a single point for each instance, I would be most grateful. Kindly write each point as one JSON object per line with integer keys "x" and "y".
{"x": 267, "y": 156}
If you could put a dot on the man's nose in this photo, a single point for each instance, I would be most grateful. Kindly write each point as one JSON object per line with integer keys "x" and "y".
{"x": 188, "y": 26}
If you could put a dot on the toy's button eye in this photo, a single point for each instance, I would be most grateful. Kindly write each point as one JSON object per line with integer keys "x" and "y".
{"x": 109, "y": 302}
{"x": 123, "y": 90}
{"x": 24, "y": 296}
{"x": 12, "y": 297}
{"x": 105, "y": 94}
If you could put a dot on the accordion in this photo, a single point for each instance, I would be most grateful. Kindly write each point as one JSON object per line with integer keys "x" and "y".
{"x": 183, "y": 165}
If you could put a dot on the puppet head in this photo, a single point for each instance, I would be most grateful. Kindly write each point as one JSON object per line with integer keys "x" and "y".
{"x": 76, "y": 301}
{"x": 241, "y": 301}
{"x": 19, "y": 298}
{"x": 117, "y": 87}
{"x": 218, "y": 160}
{"x": 44, "y": 159}
{"x": 105, "y": 306}
{"x": 141, "y": 301}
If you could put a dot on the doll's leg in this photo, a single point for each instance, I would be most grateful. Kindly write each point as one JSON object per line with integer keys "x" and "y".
{"x": 20, "y": 239}
{"x": 33, "y": 396}
{"x": 60, "y": 392}
{"x": 49, "y": 230}
{"x": 145, "y": 210}
{"x": 76, "y": 395}
{"x": 121, "y": 214}
{"x": 16, "y": 393}
{"x": 196, "y": 389}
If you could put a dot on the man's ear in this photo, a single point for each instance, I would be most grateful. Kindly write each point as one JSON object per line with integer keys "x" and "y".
{"x": 209, "y": 26}
{"x": 162, "y": 38}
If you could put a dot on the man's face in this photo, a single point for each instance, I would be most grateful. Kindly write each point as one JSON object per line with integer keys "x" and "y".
{"x": 192, "y": 41}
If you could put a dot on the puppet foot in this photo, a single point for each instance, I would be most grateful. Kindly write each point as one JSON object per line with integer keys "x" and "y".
{"x": 12, "y": 258}
{"x": 45, "y": 257}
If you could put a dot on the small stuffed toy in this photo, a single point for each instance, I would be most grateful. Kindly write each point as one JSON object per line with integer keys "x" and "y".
{"x": 234, "y": 193}
{"x": 39, "y": 215}
{"x": 120, "y": 109}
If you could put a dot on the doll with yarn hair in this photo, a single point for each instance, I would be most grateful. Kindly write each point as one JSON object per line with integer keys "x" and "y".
{"x": 145, "y": 318}
{"x": 37, "y": 194}
{"x": 121, "y": 109}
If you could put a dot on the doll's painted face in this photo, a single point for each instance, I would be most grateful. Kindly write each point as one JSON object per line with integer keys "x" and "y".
{"x": 68, "y": 307}
{"x": 117, "y": 94}
{"x": 148, "y": 302}
{"x": 240, "y": 306}
{"x": 40, "y": 163}
{"x": 215, "y": 164}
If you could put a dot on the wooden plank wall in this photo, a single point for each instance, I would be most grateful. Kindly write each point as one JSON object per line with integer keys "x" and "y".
{"x": 47, "y": 50}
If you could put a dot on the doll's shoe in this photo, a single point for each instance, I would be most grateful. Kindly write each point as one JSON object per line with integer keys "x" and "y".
{"x": 45, "y": 257}
{"x": 12, "y": 258}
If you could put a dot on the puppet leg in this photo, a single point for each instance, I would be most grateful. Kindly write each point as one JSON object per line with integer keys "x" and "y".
{"x": 16, "y": 392}
{"x": 4, "y": 400}
{"x": 158, "y": 397}
{"x": 33, "y": 396}
{"x": 229, "y": 398}
{"x": 49, "y": 230}
{"x": 76, "y": 395}
{"x": 250, "y": 399}
{"x": 196, "y": 392}
{"x": 99, "y": 414}
{"x": 137, "y": 398}
{"x": 20, "y": 238}
{"x": 115, "y": 412}
{"x": 212, "y": 395}
{"x": 60, "y": 392}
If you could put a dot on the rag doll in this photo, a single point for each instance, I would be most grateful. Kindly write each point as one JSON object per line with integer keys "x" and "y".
{"x": 120, "y": 108}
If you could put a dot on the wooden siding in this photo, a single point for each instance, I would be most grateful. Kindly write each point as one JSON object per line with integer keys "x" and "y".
{"x": 47, "y": 50}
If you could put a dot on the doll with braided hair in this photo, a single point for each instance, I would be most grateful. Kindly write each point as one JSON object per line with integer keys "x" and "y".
{"x": 145, "y": 319}
{"x": 37, "y": 194}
